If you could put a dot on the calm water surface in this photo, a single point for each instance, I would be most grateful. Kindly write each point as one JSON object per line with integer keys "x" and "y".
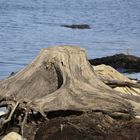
{"x": 26, "y": 26}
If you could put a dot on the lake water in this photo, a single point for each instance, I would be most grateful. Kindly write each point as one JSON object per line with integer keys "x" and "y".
{"x": 26, "y": 26}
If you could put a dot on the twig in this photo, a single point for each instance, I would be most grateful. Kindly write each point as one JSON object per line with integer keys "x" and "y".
{"x": 23, "y": 123}
{"x": 11, "y": 114}
{"x": 44, "y": 115}
{"x": 75, "y": 126}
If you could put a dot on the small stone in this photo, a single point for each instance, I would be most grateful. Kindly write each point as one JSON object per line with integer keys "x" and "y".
{"x": 12, "y": 136}
{"x": 138, "y": 117}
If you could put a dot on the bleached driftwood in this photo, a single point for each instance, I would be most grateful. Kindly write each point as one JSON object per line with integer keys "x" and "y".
{"x": 116, "y": 80}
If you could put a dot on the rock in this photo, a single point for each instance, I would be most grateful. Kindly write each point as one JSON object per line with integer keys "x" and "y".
{"x": 122, "y": 62}
{"x": 77, "y": 26}
{"x": 138, "y": 117}
{"x": 12, "y": 136}
{"x": 12, "y": 73}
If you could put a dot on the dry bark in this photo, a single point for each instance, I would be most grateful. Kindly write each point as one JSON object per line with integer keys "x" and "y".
{"x": 61, "y": 78}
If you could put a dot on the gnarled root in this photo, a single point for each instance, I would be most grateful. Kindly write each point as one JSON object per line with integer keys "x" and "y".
{"x": 4, "y": 121}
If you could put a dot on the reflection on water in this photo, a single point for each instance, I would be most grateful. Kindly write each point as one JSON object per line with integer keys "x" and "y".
{"x": 28, "y": 26}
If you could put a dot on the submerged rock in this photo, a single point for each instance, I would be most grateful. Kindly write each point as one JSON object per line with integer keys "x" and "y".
{"x": 77, "y": 26}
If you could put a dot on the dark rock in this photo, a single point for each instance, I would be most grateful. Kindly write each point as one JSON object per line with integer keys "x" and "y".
{"x": 127, "y": 63}
{"x": 77, "y": 26}
{"x": 12, "y": 73}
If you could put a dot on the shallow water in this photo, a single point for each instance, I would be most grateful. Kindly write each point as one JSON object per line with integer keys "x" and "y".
{"x": 28, "y": 26}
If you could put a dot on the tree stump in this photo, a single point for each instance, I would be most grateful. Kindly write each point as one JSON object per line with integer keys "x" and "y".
{"x": 61, "y": 78}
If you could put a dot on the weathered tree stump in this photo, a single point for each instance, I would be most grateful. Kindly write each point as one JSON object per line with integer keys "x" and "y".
{"x": 61, "y": 78}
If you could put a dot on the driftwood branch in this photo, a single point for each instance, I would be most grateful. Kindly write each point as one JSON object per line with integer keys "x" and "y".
{"x": 118, "y": 83}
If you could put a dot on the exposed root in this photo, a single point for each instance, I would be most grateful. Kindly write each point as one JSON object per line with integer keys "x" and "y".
{"x": 75, "y": 126}
{"x": 4, "y": 103}
{"x": 23, "y": 123}
{"x": 4, "y": 121}
{"x": 44, "y": 115}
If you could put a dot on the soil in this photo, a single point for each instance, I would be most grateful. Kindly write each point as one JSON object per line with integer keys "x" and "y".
{"x": 89, "y": 126}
